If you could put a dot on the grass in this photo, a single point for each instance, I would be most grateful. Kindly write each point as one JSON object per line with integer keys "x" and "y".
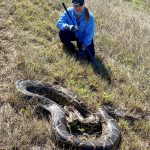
{"x": 30, "y": 49}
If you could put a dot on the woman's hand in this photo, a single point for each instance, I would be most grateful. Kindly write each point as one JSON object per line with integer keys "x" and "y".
{"x": 73, "y": 28}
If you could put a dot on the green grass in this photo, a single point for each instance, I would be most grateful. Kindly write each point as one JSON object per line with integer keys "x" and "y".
{"x": 142, "y": 5}
{"x": 30, "y": 49}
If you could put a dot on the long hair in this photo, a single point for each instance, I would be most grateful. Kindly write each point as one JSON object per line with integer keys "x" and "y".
{"x": 87, "y": 14}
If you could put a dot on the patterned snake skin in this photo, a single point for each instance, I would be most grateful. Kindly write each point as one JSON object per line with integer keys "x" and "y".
{"x": 46, "y": 94}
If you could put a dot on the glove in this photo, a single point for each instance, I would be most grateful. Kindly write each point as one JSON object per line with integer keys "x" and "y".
{"x": 72, "y": 27}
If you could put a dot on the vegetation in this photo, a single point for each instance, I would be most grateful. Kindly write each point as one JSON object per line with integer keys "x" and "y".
{"x": 30, "y": 49}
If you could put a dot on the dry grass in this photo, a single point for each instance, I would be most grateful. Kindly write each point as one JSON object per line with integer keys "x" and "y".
{"x": 30, "y": 49}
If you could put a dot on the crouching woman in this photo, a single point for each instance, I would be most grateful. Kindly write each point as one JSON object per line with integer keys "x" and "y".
{"x": 77, "y": 26}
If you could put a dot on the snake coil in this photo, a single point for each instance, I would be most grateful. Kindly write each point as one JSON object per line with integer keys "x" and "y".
{"x": 47, "y": 94}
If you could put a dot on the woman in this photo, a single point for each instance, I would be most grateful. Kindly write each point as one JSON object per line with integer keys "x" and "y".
{"x": 79, "y": 28}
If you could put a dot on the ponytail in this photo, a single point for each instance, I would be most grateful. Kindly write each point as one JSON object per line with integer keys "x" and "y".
{"x": 87, "y": 14}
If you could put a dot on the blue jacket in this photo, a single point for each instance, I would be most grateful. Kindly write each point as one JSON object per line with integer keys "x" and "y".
{"x": 85, "y": 28}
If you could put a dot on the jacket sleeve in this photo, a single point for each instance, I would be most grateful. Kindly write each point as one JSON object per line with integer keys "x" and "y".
{"x": 62, "y": 21}
{"x": 89, "y": 31}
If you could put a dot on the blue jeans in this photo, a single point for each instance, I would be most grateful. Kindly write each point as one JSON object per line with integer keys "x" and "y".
{"x": 66, "y": 36}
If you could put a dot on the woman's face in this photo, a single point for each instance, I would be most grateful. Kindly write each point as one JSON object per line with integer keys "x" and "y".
{"x": 78, "y": 9}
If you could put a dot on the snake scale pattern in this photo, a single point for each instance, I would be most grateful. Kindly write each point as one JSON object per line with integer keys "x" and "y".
{"x": 51, "y": 98}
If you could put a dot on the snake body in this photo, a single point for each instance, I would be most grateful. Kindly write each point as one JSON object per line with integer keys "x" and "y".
{"x": 49, "y": 96}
